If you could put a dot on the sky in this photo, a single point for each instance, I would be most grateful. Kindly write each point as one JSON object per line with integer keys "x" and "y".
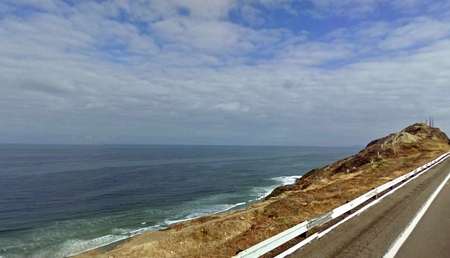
{"x": 222, "y": 72}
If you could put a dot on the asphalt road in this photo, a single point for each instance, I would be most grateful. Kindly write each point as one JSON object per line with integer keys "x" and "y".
{"x": 372, "y": 233}
{"x": 431, "y": 236}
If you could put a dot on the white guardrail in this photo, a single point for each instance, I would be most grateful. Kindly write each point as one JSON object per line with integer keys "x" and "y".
{"x": 283, "y": 237}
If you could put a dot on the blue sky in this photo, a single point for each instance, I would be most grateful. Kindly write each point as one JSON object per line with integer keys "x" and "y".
{"x": 256, "y": 72}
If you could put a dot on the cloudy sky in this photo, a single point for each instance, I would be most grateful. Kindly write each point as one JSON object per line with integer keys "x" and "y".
{"x": 257, "y": 72}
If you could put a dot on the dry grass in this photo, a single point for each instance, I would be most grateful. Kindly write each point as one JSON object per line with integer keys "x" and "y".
{"x": 226, "y": 234}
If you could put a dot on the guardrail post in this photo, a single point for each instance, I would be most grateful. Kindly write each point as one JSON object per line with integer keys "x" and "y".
{"x": 349, "y": 211}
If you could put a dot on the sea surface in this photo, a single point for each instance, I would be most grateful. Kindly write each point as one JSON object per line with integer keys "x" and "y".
{"x": 58, "y": 200}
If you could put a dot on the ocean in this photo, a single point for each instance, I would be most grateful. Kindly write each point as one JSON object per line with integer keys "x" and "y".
{"x": 58, "y": 200}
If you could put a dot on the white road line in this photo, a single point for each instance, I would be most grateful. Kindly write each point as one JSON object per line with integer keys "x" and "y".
{"x": 296, "y": 247}
{"x": 356, "y": 213}
{"x": 405, "y": 234}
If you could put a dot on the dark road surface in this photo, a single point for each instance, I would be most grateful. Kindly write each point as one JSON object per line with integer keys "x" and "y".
{"x": 372, "y": 233}
{"x": 431, "y": 236}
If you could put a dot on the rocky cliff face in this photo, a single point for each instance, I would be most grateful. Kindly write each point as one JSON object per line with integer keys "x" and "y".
{"x": 411, "y": 141}
{"x": 413, "y": 133}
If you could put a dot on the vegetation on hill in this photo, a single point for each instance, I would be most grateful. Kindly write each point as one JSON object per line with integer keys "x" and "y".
{"x": 410, "y": 145}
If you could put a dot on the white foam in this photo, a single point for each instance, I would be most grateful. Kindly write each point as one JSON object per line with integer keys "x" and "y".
{"x": 214, "y": 209}
{"x": 78, "y": 246}
{"x": 263, "y": 192}
{"x": 171, "y": 222}
{"x": 133, "y": 232}
{"x": 237, "y": 204}
{"x": 142, "y": 230}
{"x": 73, "y": 247}
{"x": 286, "y": 180}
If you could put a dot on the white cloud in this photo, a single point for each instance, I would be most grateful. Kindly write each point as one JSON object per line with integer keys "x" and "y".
{"x": 252, "y": 15}
{"x": 418, "y": 31}
{"x": 357, "y": 9}
{"x": 351, "y": 8}
{"x": 214, "y": 37}
{"x": 374, "y": 31}
{"x": 409, "y": 6}
{"x": 143, "y": 45}
{"x": 122, "y": 67}
{"x": 45, "y": 5}
{"x": 232, "y": 106}
{"x": 315, "y": 53}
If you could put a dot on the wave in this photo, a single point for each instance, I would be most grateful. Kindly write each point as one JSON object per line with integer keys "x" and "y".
{"x": 45, "y": 244}
{"x": 186, "y": 212}
{"x": 214, "y": 209}
{"x": 77, "y": 246}
{"x": 74, "y": 246}
{"x": 286, "y": 180}
{"x": 134, "y": 232}
{"x": 263, "y": 192}
{"x": 258, "y": 193}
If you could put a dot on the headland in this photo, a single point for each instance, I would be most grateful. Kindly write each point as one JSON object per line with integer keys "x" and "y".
{"x": 317, "y": 192}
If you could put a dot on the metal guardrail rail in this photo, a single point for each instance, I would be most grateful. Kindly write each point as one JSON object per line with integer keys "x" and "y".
{"x": 287, "y": 235}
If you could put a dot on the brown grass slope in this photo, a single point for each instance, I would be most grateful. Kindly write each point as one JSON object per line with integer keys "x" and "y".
{"x": 317, "y": 192}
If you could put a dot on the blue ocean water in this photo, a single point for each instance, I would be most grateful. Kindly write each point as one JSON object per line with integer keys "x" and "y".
{"x": 56, "y": 200}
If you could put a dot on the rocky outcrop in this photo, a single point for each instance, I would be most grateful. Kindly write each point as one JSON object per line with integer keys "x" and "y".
{"x": 412, "y": 140}
{"x": 413, "y": 133}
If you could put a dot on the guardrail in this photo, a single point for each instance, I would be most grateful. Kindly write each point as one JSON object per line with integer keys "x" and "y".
{"x": 283, "y": 237}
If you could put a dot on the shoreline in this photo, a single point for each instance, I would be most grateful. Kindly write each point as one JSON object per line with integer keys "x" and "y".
{"x": 102, "y": 249}
{"x": 111, "y": 246}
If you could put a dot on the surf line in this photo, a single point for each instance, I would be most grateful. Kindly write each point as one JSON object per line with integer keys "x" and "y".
{"x": 405, "y": 234}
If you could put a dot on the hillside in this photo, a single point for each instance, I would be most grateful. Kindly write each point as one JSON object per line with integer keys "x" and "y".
{"x": 409, "y": 145}
{"x": 317, "y": 192}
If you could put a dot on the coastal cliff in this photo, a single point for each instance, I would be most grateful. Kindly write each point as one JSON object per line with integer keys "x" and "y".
{"x": 318, "y": 191}
{"x": 414, "y": 140}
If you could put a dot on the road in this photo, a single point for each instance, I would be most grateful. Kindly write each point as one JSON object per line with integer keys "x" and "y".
{"x": 372, "y": 233}
{"x": 431, "y": 236}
